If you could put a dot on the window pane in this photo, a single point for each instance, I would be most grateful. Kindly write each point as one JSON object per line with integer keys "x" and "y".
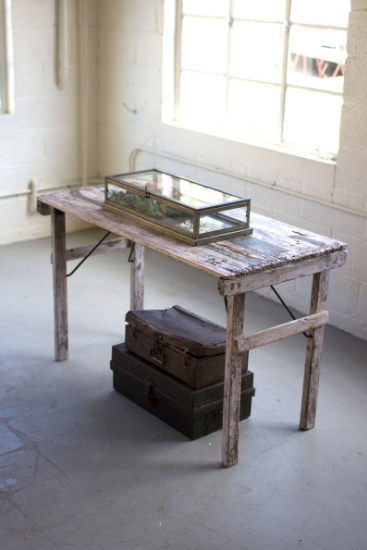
{"x": 332, "y": 13}
{"x": 312, "y": 119}
{"x": 253, "y": 107}
{"x": 256, "y": 51}
{"x": 202, "y": 99}
{"x": 316, "y": 58}
{"x": 263, "y": 10}
{"x": 204, "y": 45}
{"x": 216, "y": 8}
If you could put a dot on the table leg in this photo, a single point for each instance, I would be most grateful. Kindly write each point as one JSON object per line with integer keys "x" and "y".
{"x": 313, "y": 354}
{"x": 137, "y": 278}
{"x": 58, "y": 239}
{"x": 232, "y": 381}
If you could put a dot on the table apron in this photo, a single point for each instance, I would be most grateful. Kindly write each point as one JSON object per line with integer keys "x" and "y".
{"x": 263, "y": 279}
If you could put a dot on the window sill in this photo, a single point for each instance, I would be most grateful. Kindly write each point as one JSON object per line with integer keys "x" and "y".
{"x": 281, "y": 148}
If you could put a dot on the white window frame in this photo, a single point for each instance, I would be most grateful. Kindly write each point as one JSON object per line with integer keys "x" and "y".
{"x": 6, "y": 58}
{"x": 287, "y": 24}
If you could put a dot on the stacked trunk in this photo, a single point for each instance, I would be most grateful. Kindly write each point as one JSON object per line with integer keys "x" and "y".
{"x": 172, "y": 364}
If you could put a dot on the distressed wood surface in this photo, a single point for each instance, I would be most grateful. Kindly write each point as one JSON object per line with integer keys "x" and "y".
{"x": 43, "y": 208}
{"x": 264, "y": 337}
{"x": 232, "y": 381}
{"x": 107, "y": 246}
{"x": 319, "y": 292}
{"x": 58, "y": 239}
{"x": 137, "y": 278}
{"x": 281, "y": 274}
{"x": 272, "y": 245}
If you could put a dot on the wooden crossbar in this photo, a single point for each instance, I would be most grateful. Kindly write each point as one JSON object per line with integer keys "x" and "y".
{"x": 107, "y": 246}
{"x": 245, "y": 343}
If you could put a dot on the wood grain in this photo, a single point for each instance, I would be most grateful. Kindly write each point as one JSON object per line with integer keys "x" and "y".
{"x": 280, "y": 274}
{"x": 270, "y": 335}
{"x": 319, "y": 292}
{"x": 43, "y": 209}
{"x": 232, "y": 381}
{"x": 107, "y": 246}
{"x": 225, "y": 259}
{"x": 137, "y": 278}
{"x": 58, "y": 240}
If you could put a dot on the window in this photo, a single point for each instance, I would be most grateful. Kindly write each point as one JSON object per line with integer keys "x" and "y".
{"x": 262, "y": 70}
{"x": 6, "y": 64}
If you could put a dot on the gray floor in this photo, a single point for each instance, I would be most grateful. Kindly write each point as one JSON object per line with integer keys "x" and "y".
{"x": 82, "y": 467}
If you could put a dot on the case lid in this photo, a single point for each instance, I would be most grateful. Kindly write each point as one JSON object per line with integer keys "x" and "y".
{"x": 182, "y": 329}
{"x": 186, "y": 192}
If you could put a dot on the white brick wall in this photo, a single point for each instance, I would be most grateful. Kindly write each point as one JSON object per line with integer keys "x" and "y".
{"x": 42, "y": 138}
{"x": 131, "y": 51}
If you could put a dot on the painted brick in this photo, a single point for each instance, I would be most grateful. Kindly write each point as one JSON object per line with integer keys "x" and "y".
{"x": 128, "y": 14}
{"x": 29, "y": 147}
{"x": 353, "y": 127}
{"x": 48, "y": 173}
{"x": 356, "y": 265}
{"x": 28, "y": 80}
{"x": 260, "y": 196}
{"x": 355, "y": 89}
{"x": 8, "y": 179}
{"x": 285, "y": 217}
{"x": 350, "y": 225}
{"x": 7, "y": 148}
{"x": 33, "y": 14}
{"x": 358, "y": 5}
{"x": 343, "y": 293}
{"x": 61, "y": 143}
{"x": 348, "y": 199}
{"x": 316, "y": 228}
{"x": 47, "y": 112}
{"x": 317, "y": 213}
{"x": 159, "y": 16}
{"x": 334, "y": 219}
{"x": 32, "y": 45}
{"x": 149, "y": 49}
{"x": 116, "y": 46}
{"x": 357, "y": 34}
{"x": 351, "y": 170}
{"x": 7, "y": 125}
{"x": 287, "y": 203}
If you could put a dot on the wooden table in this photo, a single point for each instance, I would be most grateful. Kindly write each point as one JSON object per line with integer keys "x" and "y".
{"x": 274, "y": 253}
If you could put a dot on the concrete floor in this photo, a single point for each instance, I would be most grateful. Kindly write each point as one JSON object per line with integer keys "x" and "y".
{"x": 83, "y": 467}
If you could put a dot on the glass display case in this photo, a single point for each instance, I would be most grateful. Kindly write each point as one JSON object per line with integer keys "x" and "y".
{"x": 189, "y": 211}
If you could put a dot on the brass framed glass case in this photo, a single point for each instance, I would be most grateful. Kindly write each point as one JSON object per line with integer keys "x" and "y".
{"x": 187, "y": 210}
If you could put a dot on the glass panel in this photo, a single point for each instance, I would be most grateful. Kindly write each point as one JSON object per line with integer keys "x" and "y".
{"x": 171, "y": 187}
{"x": 262, "y": 10}
{"x": 202, "y": 100}
{"x": 332, "y": 13}
{"x": 256, "y": 51}
{"x": 253, "y": 107}
{"x": 216, "y": 8}
{"x": 316, "y": 58}
{"x": 223, "y": 221}
{"x": 151, "y": 207}
{"x": 312, "y": 119}
{"x": 204, "y": 45}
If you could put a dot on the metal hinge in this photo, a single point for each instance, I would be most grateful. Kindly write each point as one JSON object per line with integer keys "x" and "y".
{"x": 133, "y": 326}
{"x": 185, "y": 357}
{"x": 157, "y": 352}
